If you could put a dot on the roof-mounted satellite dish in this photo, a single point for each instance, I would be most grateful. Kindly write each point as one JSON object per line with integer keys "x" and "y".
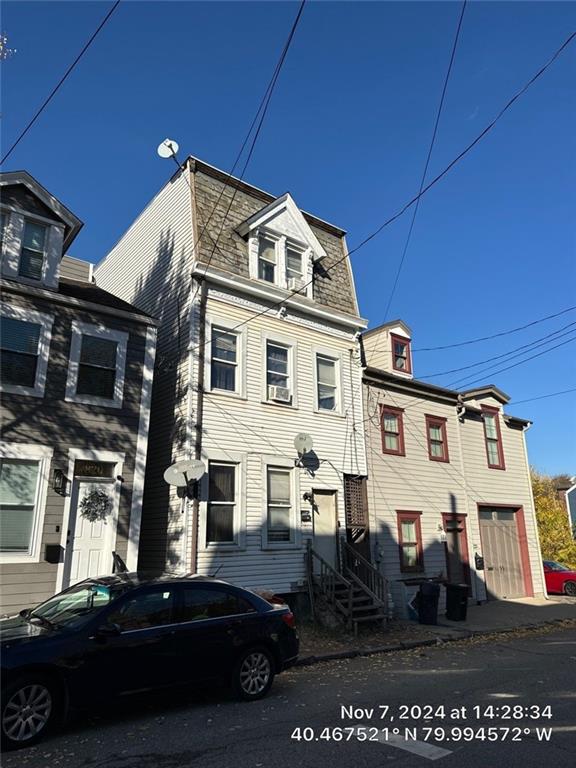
{"x": 168, "y": 148}
{"x": 303, "y": 443}
{"x": 182, "y": 473}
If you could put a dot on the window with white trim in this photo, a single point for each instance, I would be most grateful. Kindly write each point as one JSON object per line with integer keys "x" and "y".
{"x": 294, "y": 267}
{"x": 23, "y": 483}
{"x": 224, "y": 372}
{"x": 327, "y": 383}
{"x": 279, "y": 526}
{"x": 267, "y": 259}
{"x": 221, "y": 525}
{"x": 33, "y": 250}
{"x": 278, "y": 380}
{"x": 97, "y": 365}
{"x": 24, "y": 347}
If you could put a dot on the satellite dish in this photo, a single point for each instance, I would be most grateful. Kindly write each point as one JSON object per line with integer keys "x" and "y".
{"x": 168, "y": 148}
{"x": 183, "y": 472}
{"x": 303, "y": 443}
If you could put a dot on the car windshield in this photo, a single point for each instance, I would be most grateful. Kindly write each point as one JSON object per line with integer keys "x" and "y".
{"x": 77, "y": 605}
{"x": 556, "y": 566}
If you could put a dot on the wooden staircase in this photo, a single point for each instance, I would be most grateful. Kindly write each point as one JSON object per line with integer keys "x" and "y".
{"x": 357, "y": 594}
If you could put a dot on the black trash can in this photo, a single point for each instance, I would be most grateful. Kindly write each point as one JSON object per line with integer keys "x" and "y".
{"x": 456, "y": 601}
{"x": 428, "y": 602}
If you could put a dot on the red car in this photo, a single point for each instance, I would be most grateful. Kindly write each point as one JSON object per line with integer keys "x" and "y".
{"x": 560, "y": 579}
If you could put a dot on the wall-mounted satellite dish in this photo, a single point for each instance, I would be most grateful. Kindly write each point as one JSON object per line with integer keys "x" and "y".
{"x": 168, "y": 148}
{"x": 303, "y": 443}
{"x": 182, "y": 473}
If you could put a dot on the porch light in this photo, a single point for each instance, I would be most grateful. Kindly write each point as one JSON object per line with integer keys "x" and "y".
{"x": 59, "y": 482}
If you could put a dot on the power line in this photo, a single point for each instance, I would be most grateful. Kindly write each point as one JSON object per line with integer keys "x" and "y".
{"x": 432, "y": 183}
{"x": 60, "y": 82}
{"x": 427, "y": 163}
{"x": 514, "y": 365}
{"x": 262, "y": 110}
{"x": 542, "y": 397}
{"x": 532, "y": 345}
{"x": 496, "y": 335}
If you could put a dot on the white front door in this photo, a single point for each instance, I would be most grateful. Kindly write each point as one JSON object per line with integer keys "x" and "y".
{"x": 90, "y": 543}
{"x": 325, "y": 525}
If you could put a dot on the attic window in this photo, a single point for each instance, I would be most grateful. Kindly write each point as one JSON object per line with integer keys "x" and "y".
{"x": 33, "y": 248}
{"x": 401, "y": 354}
{"x": 267, "y": 259}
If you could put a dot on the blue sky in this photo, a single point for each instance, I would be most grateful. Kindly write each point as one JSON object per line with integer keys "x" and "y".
{"x": 347, "y": 134}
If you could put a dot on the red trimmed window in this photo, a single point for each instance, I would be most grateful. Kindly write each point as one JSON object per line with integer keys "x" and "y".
{"x": 410, "y": 542}
{"x": 392, "y": 424}
{"x": 401, "y": 360}
{"x": 437, "y": 439}
{"x": 493, "y": 438}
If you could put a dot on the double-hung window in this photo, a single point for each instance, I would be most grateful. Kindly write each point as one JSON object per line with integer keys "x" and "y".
{"x": 279, "y": 505}
{"x": 267, "y": 259}
{"x": 327, "y": 383}
{"x": 401, "y": 354}
{"x": 493, "y": 438}
{"x": 97, "y": 365}
{"x": 294, "y": 272}
{"x": 437, "y": 438}
{"x": 33, "y": 250}
{"x": 222, "y": 502}
{"x": 392, "y": 423}
{"x": 23, "y": 480}
{"x": 410, "y": 541}
{"x": 24, "y": 346}
{"x": 224, "y": 362}
{"x": 278, "y": 372}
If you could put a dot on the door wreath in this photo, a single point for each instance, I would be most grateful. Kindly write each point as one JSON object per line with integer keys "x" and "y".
{"x": 96, "y": 505}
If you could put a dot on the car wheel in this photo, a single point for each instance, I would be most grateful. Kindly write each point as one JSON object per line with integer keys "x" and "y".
{"x": 570, "y": 588}
{"x": 253, "y": 674}
{"x": 29, "y": 709}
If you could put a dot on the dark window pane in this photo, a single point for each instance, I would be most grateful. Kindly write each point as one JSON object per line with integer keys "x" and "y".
{"x": 17, "y": 369}
{"x": 31, "y": 264}
{"x": 224, "y": 346}
{"x": 221, "y": 482}
{"x": 211, "y": 604}
{"x": 151, "y": 609}
{"x": 19, "y": 335}
{"x": 101, "y": 352}
{"x": 98, "y": 382}
{"x": 34, "y": 236}
{"x": 220, "y": 523}
{"x": 223, "y": 376}
{"x": 266, "y": 271}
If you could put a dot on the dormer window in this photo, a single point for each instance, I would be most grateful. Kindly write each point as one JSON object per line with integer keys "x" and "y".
{"x": 267, "y": 259}
{"x": 294, "y": 271}
{"x": 401, "y": 354}
{"x": 33, "y": 249}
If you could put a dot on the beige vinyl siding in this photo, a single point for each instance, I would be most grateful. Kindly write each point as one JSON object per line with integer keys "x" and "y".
{"x": 415, "y": 483}
{"x": 75, "y": 269}
{"x": 259, "y": 429}
{"x": 150, "y": 267}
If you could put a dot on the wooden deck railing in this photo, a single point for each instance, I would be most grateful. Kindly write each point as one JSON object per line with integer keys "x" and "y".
{"x": 364, "y": 573}
{"x": 324, "y": 579}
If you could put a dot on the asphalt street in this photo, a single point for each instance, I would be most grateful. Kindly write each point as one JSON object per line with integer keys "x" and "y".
{"x": 435, "y": 688}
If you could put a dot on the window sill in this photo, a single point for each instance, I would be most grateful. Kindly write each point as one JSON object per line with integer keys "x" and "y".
{"x": 224, "y": 547}
{"x": 393, "y": 453}
{"x": 281, "y": 547}
{"x": 332, "y": 414}
{"x": 279, "y": 404}
{"x": 7, "y": 558}
{"x": 226, "y": 393}
{"x": 495, "y": 466}
{"x": 88, "y": 400}
{"x": 441, "y": 461}
{"x": 17, "y": 389}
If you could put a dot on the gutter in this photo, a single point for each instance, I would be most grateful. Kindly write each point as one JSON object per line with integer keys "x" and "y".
{"x": 199, "y": 421}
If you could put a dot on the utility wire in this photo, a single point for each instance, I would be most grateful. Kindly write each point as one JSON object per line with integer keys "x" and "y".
{"x": 60, "y": 82}
{"x": 427, "y": 163}
{"x": 514, "y": 365}
{"x": 262, "y": 110}
{"x": 532, "y": 345}
{"x": 411, "y": 202}
{"x": 542, "y": 397}
{"x": 495, "y": 335}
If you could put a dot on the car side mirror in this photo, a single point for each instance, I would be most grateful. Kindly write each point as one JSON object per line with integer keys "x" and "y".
{"x": 24, "y": 613}
{"x": 106, "y": 631}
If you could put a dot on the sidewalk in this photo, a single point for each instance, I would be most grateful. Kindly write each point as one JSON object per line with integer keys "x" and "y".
{"x": 319, "y": 644}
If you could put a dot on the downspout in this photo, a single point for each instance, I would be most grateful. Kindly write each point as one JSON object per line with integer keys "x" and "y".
{"x": 535, "y": 520}
{"x": 199, "y": 420}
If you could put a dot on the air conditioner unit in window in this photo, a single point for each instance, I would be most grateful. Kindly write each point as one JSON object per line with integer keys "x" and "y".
{"x": 295, "y": 283}
{"x": 282, "y": 394}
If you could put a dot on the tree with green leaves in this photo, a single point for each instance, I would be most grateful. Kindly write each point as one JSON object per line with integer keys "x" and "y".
{"x": 556, "y": 540}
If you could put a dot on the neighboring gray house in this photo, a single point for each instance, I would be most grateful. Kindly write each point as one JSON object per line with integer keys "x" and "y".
{"x": 448, "y": 480}
{"x": 76, "y": 378}
{"x": 245, "y": 364}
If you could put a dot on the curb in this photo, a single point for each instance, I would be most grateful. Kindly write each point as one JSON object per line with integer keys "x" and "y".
{"x": 404, "y": 645}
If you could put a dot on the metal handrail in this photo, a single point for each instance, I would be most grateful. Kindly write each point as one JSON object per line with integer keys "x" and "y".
{"x": 365, "y": 572}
